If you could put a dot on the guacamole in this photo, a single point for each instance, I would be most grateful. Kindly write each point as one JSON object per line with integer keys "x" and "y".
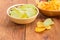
{"x": 23, "y": 11}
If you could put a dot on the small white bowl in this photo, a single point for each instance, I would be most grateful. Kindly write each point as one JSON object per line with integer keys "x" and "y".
{"x": 21, "y": 20}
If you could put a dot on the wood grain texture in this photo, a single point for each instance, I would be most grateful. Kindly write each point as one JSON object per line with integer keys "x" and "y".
{"x": 52, "y": 34}
{"x": 12, "y": 31}
{"x": 8, "y": 29}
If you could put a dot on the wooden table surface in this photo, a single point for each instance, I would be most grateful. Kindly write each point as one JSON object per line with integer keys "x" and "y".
{"x": 12, "y": 31}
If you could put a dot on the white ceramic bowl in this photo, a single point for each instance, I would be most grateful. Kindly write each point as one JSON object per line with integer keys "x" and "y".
{"x": 21, "y": 20}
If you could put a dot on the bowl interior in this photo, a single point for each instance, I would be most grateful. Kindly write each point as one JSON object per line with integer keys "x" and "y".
{"x": 20, "y": 5}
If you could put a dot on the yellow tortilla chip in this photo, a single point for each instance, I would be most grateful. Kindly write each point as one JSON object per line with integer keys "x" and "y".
{"x": 39, "y": 29}
{"x": 48, "y": 27}
{"x": 40, "y": 24}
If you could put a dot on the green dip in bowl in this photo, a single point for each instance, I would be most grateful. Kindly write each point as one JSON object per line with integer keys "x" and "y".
{"x": 22, "y": 13}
